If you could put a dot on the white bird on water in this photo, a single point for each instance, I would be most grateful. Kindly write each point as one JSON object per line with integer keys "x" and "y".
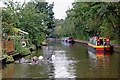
{"x": 40, "y": 57}
{"x": 53, "y": 57}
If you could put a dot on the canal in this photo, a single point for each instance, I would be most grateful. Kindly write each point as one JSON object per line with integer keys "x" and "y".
{"x": 70, "y": 61}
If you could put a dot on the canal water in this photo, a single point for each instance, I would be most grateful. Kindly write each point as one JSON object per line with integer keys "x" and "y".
{"x": 63, "y": 60}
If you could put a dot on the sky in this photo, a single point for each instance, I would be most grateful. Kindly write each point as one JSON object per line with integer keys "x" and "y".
{"x": 60, "y": 7}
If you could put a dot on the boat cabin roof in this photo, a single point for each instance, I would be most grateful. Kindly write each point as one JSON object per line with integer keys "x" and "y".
{"x": 95, "y": 37}
{"x": 102, "y": 38}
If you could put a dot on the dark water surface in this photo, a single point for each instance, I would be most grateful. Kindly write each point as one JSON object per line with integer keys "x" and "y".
{"x": 71, "y": 61}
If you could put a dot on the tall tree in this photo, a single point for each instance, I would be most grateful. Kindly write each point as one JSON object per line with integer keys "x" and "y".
{"x": 31, "y": 17}
{"x": 88, "y": 18}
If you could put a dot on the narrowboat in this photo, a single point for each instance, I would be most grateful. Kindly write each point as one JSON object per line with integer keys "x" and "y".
{"x": 99, "y": 43}
{"x": 71, "y": 40}
{"x": 68, "y": 39}
{"x": 63, "y": 39}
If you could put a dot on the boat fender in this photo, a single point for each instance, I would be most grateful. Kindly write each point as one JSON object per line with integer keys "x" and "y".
{"x": 24, "y": 44}
{"x": 104, "y": 48}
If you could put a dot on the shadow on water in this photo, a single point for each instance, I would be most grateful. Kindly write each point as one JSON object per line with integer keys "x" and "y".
{"x": 64, "y": 60}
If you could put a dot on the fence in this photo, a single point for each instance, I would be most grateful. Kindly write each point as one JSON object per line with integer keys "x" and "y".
{"x": 8, "y": 46}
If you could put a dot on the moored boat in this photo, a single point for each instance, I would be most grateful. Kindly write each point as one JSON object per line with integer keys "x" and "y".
{"x": 71, "y": 40}
{"x": 99, "y": 43}
{"x": 68, "y": 39}
{"x": 63, "y": 39}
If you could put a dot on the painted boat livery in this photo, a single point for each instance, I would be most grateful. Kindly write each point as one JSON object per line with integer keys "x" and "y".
{"x": 99, "y": 43}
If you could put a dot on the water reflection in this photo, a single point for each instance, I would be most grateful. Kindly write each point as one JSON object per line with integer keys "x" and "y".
{"x": 100, "y": 56}
{"x": 48, "y": 66}
{"x": 9, "y": 71}
{"x": 68, "y": 44}
{"x": 63, "y": 66}
{"x": 59, "y": 66}
{"x": 63, "y": 61}
{"x": 100, "y": 61}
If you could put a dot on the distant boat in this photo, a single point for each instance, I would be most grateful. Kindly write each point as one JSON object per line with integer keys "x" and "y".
{"x": 63, "y": 39}
{"x": 71, "y": 40}
{"x": 99, "y": 44}
{"x": 68, "y": 39}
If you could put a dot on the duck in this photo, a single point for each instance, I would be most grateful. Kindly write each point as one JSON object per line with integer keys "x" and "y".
{"x": 53, "y": 57}
{"x": 35, "y": 58}
{"x": 40, "y": 58}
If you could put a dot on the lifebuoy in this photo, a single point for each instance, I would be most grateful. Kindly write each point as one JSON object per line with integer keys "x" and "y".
{"x": 24, "y": 44}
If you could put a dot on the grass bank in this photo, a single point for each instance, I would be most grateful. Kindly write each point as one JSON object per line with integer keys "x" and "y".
{"x": 114, "y": 41}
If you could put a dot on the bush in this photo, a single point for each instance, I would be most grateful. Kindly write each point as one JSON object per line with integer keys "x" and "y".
{"x": 8, "y": 58}
{"x": 19, "y": 47}
{"x": 25, "y": 51}
{"x": 14, "y": 37}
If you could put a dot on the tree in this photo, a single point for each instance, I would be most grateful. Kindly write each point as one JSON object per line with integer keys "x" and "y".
{"x": 85, "y": 19}
{"x": 31, "y": 17}
{"x": 34, "y": 21}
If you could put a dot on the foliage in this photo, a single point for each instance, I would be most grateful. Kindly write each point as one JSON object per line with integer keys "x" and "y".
{"x": 33, "y": 47}
{"x": 33, "y": 17}
{"x": 14, "y": 37}
{"x": 9, "y": 58}
{"x": 53, "y": 35}
{"x": 4, "y": 55}
{"x": 36, "y": 20}
{"x": 6, "y": 22}
{"x": 25, "y": 51}
{"x": 85, "y": 19}
{"x": 57, "y": 30}
{"x": 19, "y": 48}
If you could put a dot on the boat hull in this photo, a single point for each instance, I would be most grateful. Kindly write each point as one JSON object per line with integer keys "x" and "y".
{"x": 100, "y": 48}
{"x": 71, "y": 41}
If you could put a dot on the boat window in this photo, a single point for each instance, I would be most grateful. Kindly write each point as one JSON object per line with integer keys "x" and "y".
{"x": 108, "y": 43}
{"x": 104, "y": 43}
{"x": 98, "y": 42}
{"x": 90, "y": 40}
{"x": 101, "y": 41}
{"x": 94, "y": 42}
